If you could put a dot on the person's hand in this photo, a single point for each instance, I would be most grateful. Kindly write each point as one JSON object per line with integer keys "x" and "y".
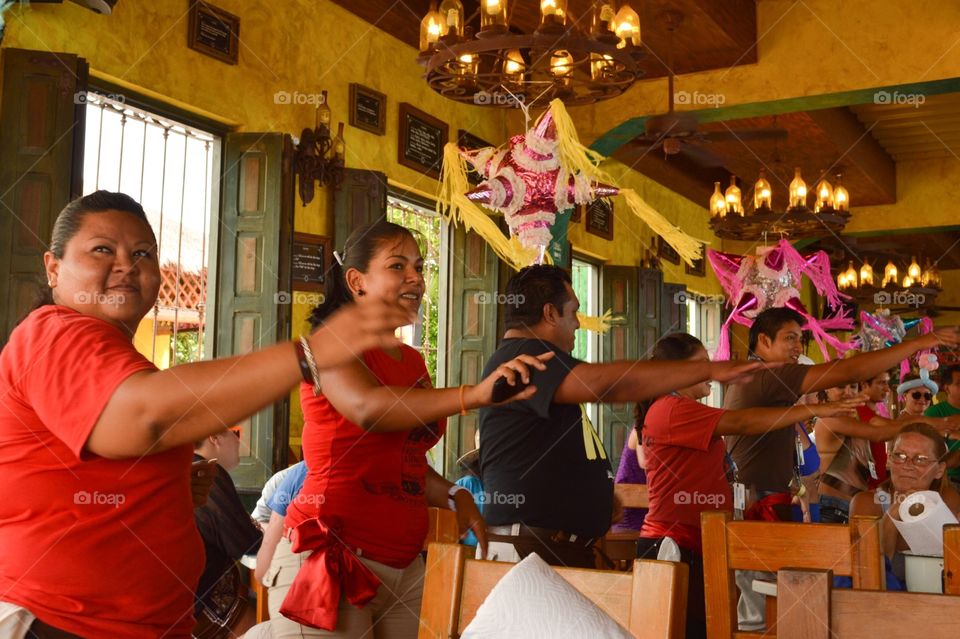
{"x": 356, "y": 328}
{"x": 518, "y": 368}
{"x": 945, "y": 336}
{"x": 842, "y": 408}
{"x": 735, "y": 372}
{"x": 946, "y": 426}
{"x": 469, "y": 518}
{"x": 202, "y": 474}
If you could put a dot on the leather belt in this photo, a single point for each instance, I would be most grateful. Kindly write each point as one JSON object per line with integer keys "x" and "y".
{"x": 540, "y": 534}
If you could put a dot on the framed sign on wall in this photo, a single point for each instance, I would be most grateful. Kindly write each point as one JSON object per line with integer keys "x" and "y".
{"x": 368, "y": 109}
{"x": 213, "y": 31}
{"x": 311, "y": 259}
{"x": 600, "y": 218}
{"x": 422, "y": 137}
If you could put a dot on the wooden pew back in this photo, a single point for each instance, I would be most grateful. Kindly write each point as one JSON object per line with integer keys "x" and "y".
{"x": 442, "y": 527}
{"x": 951, "y": 559}
{"x": 632, "y": 495}
{"x": 853, "y": 550}
{"x": 809, "y": 608}
{"x": 650, "y": 602}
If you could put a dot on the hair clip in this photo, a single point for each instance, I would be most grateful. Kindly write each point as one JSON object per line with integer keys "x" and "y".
{"x": 338, "y": 258}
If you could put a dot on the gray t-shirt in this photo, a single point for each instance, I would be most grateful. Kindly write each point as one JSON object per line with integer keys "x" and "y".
{"x": 766, "y": 461}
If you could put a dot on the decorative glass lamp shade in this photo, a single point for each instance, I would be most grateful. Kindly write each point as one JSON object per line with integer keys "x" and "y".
{"x": 851, "y": 276}
{"x": 602, "y": 20}
{"x": 733, "y": 198}
{"x": 913, "y": 271}
{"x": 907, "y": 281}
{"x": 493, "y": 16}
{"x": 561, "y": 65}
{"x": 762, "y": 195}
{"x": 841, "y": 199}
{"x": 553, "y": 12}
{"x": 431, "y": 29}
{"x": 451, "y": 14}
{"x": 627, "y": 26}
{"x": 514, "y": 66}
{"x": 824, "y": 195}
{"x": 467, "y": 67}
{"x": 890, "y": 274}
{"x": 866, "y": 274}
{"x": 798, "y": 190}
{"x": 718, "y": 205}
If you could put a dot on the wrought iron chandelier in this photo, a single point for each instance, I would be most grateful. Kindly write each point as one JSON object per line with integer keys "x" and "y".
{"x": 918, "y": 288}
{"x": 830, "y": 213}
{"x": 558, "y": 60}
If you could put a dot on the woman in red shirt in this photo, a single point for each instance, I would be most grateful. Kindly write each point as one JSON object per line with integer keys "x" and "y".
{"x": 686, "y": 462}
{"x": 96, "y": 522}
{"x": 359, "y": 523}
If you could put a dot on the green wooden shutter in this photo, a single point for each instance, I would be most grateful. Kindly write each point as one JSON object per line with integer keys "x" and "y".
{"x": 673, "y": 309}
{"x": 618, "y": 286}
{"x": 41, "y": 127}
{"x": 470, "y": 334}
{"x": 360, "y": 199}
{"x": 651, "y": 283}
{"x": 247, "y": 279}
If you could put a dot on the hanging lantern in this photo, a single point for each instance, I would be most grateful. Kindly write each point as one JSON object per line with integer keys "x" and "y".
{"x": 493, "y": 17}
{"x": 553, "y": 14}
{"x": 841, "y": 199}
{"x": 733, "y": 199}
{"x": 718, "y": 205}
{"x": 602, "y": 20}
{"x": 798, "y": 191}
{"x": 762, "y": 195}
{"x": 824, "y": 195}
{"x": 627, "y": 26}
{"x": 851, "y": 276}
{"x": 913, "y": 271}
{"x": 866, "y": 274}
{"x": 890, "y": 274}
{"x": 451, "y": 15}
{"x": 431, "y": 29}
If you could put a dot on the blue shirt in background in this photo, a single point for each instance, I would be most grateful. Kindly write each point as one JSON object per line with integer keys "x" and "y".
{"x": 288, "y": 489}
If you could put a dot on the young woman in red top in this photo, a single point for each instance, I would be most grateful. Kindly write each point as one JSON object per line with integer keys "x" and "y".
{"x": 359, "y": 523}
{"x": 685, "y": 461}
{"x": 96, "y": 522}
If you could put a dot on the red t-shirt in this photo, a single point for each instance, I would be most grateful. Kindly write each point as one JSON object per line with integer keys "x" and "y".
{"x": 96, "y": 547}
{"x": 877, "y": 449}
{"x": 372, "y": 484}
{"x": 685, "y": 469}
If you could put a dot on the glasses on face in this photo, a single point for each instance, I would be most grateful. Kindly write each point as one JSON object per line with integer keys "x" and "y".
{"x": 918, "y": 395}
{"x": 921, "y": 461}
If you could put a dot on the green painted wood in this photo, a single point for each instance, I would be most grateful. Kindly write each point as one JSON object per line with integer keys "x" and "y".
{"x": 673, "y": 309}
{"x": 619, "y": 135}
{"x": 619, "y": 289}
{"x": 248, "y": 276}
{"x": 360, "y": 199}
{"x": 470, "y": 335}
{"x": 39, "y": 128}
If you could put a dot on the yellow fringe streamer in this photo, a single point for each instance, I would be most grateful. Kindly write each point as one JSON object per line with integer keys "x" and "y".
{"x": 689, "y": 248}
{"x": 574, "y": 157}
{"x": 594, "y": 324}
{"x": 453, "y": 204}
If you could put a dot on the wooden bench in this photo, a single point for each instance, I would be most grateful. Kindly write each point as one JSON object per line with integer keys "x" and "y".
{"x": 621, "y": 547}
{"x": 442, "y": 528}
{"x": 810, "y": 608}
{"x": 853, "y": 550}
{"x": 951, "y": 559}
{"x": 650, "y": 601}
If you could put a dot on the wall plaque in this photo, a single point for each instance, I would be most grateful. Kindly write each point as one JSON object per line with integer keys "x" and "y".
{"x": 368, "y": 109}
{"x": 422, "y": 137}
{"x": 667, "y": 252}
{"x": 310, "y": 260}
{"x": 699, "y": 265}
{"x": 600, "y": 218}
{"x": 213, "y": 31}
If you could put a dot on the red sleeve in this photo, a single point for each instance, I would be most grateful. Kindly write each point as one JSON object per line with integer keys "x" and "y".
{"x": 73, "y": 365}
{"x": 680, "y": 421}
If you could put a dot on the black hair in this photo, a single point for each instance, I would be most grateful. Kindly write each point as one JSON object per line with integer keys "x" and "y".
{"x": 358, "y": 251}
{"x": 769, "y": 322}
{"x": 71, "y": 217}
{"x": 948, "y": 373}
{"x": 531, "y": 288}
{"x": 672, "y": 347}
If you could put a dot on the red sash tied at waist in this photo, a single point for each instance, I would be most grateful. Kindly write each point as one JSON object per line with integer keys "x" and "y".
{"x": 333, "y": 568}
{"x": 763, "y": 509}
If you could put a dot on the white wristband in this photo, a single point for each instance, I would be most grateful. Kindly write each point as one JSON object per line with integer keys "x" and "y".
{"x": 450, "y": 493}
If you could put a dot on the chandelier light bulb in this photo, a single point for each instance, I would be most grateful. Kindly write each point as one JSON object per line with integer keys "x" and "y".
{"x": 866, "y": 274}
{"x": 798, "y": 190}
{"x": 913, "y": 271}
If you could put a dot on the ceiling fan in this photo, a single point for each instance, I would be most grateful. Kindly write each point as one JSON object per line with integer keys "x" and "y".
{"x": 678, "y": 133}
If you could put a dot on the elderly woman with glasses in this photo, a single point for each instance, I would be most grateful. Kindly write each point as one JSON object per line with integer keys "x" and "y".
{"x": 916, "y": 464}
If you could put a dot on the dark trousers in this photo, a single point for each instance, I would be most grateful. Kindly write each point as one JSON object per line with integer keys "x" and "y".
{"x": 555, "y": 553}
{"x": 696, "y": 606}
{"x": 40, "y": 630}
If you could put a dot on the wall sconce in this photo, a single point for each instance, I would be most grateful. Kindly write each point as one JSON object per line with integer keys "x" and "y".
{"x": 318, "y": 157}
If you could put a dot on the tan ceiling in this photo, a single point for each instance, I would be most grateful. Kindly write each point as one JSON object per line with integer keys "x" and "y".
{"x": 910, "y": 130}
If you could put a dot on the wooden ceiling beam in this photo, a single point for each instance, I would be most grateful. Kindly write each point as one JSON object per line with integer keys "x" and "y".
{"x": 855, "y": 145}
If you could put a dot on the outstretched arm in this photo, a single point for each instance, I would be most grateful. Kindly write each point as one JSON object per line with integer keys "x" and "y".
{"x": 633, "y": 381}
{"x": 866, "y": 365}
{"x": 756, "y": 421}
